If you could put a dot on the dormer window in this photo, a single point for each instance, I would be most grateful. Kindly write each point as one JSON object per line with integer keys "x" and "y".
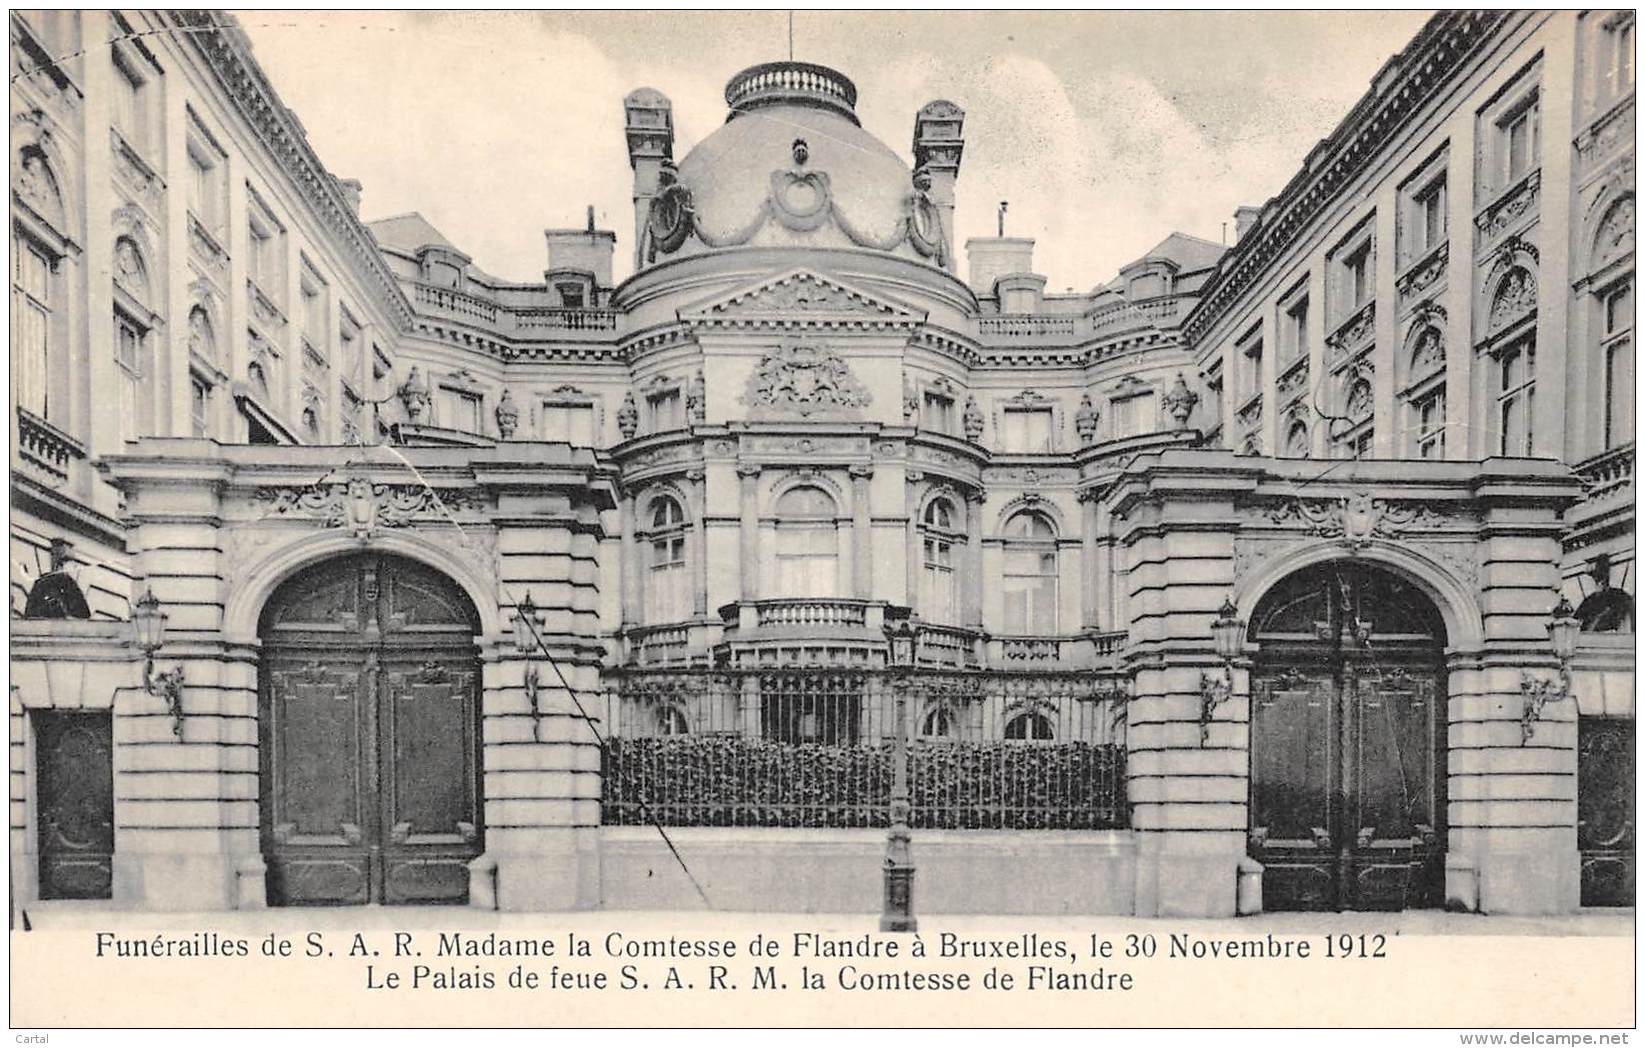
{"x": 572, "y": 296}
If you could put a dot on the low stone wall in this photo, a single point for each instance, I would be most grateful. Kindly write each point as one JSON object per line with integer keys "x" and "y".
{"x": 839, "y": 871}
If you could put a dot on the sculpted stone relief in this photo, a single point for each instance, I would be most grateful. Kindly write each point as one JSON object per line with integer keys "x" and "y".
{"x": 803, "y": 378}
{"x": 801, "y": 200}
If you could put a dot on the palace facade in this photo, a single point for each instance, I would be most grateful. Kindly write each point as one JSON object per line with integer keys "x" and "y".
{"x": 1291, "y": 574}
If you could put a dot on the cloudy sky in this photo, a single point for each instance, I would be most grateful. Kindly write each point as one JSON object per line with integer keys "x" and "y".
{"x": 1105, "y": 131}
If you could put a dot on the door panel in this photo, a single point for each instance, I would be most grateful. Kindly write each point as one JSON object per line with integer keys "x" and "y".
{"x": 371, "y": 772}
{"x": 1392, "y": 791}
{"x": 1292, "y": 726}
{"x": 1605, "y": 810}
{"x": 75, "y": 765}
{"x": 315, "y": 765}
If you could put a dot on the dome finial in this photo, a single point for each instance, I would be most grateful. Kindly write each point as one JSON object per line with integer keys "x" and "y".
{"x": 792, "y": 83}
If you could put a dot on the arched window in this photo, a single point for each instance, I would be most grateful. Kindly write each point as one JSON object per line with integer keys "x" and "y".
{"x": 667, "y": 592}
{"x": 938, "y": 724}
{"x": 1030, "y": 574}
{"x": 938, "y": 539}
{"x": 807, "y": 544}
{"x": 202, "y": 344}
{"x": 132, "y": 320}
{"x": 1355, "y": 442}
{"x": 39, "y": 328}
{"x": 1425, "y": 392}
{"x": 1296, "y": 440}
{"x": 1616, "y": 346}
{"x": 1030, "y": 727}
{"x": 670, "y": 721}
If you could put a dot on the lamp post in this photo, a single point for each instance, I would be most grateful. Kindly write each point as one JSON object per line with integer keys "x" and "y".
{"x": 149, "y": 620}
{"x": 898, "y": 914}
{"x": 1563, "y": 630}
{"x": 1228, "y": 632}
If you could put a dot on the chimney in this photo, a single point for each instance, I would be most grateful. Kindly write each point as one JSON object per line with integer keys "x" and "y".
{"x": 939, "y": 143}
{"x": 648, "y": 120}
{"x": 993, "y": 257}
{"x": 1244, "y": 218}
{"x": 585, "y": 251}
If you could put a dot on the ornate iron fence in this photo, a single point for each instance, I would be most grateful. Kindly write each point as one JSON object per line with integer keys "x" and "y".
{"x": 812, "y": 747}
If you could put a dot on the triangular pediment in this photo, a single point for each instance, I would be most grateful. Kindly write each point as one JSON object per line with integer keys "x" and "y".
{"x": 802, "y": 295}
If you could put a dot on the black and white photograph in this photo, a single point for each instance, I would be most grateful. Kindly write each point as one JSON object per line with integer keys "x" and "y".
{"x": 763, "y": 518}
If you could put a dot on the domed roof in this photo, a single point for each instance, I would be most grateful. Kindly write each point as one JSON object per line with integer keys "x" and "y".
{"x": 792, "y": 166}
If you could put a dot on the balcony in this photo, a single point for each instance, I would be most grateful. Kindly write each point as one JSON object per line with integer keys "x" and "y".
{"x": 49, "y": 450}
{"x": 526, "y": 324}
{"x": 953, "y": 646}
{"x": 1608, "y": 475}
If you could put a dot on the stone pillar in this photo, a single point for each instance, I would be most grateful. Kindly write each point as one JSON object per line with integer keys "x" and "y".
{"x": 862, "y": 540}
{"x": 541, "y": 754}
{"x": 185, "y": 794}
{"x": 913, "y": 554}
{"x": 697, "y": 492}
{"x": 973, "y": 546}
{"x": 1088, "y": 559}
{"x": 1188, "y": 793}
{"x": 748, "y": 476}
{"x": 628, "y": 596}
{"x": 1512, "y": 845}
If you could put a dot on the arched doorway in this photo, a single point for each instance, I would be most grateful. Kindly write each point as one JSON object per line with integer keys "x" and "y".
{"x": 369, "y": 735}
{"x": 1348, "y": 712}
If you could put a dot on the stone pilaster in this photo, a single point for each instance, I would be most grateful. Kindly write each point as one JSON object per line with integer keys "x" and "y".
{"x": 748, "y": 477}
{"x": 862, "y": 539}
{"x": 973, "y": 546}
{"x": 697, "y": 493}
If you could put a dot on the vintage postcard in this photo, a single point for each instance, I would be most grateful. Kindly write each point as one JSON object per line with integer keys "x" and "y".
{"x": 808, "y": 518}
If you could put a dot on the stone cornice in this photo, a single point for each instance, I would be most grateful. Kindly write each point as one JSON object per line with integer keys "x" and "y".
{"x": 1404, "y": 85}
{"x": 219, "y": 41}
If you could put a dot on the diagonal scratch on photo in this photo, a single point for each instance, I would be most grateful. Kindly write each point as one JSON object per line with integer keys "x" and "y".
{"x": 1083, "y": 467}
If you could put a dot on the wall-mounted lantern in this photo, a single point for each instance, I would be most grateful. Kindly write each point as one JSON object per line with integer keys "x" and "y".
{"x": 1563, "y": 630}
{"x": 1228, "y": 632}
{"x": 149, "y": 620}
{"x": 526, "y": 641}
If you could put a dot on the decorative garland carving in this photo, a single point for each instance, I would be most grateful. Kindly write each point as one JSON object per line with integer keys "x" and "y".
{"x": 1359, "y": 517}
{"x": 362, "y": 506}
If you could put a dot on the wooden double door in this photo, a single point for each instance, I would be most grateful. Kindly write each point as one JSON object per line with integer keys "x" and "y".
{"x": 370, "y": 736}
{"x": 75, "y": 762}
{"x": 1347, "y": 801}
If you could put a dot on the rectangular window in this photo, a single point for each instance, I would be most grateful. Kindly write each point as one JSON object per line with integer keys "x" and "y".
{"x": 1027, "y": 430}
{"x": 939, "y": 413}
{"x": 667, "y": 411}
{"x": 130, "y": 104}
{"x": 1430, "y": 419}
{"x": 1134, "y": 416}
{"x": 1429, "y": 217}
{"x": 937, "y": 603}
{"x": 669, "y": 598}
{"x": 807, "y": 560}
{"x": 1517, "y": 134}
{"x": 266, "y": 265}
{"x": 31, "y": 326}
{"x": 1516, "y": 401}
{"x": 1294, "y": 329}
{"x": 1618, "y": 347}
{"x": 1357, "y": 277}
{"x": 1250, "y": 371}
{"x": 200, "y": 407}
{"x": 460, "y": 409}
{"x": 129, "y": 355}
{"x": 1617, "y": 61}
{"x": 572, "y": 423}
{"x": 313, "y": 314}
{"x": 1030, "y": 585}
